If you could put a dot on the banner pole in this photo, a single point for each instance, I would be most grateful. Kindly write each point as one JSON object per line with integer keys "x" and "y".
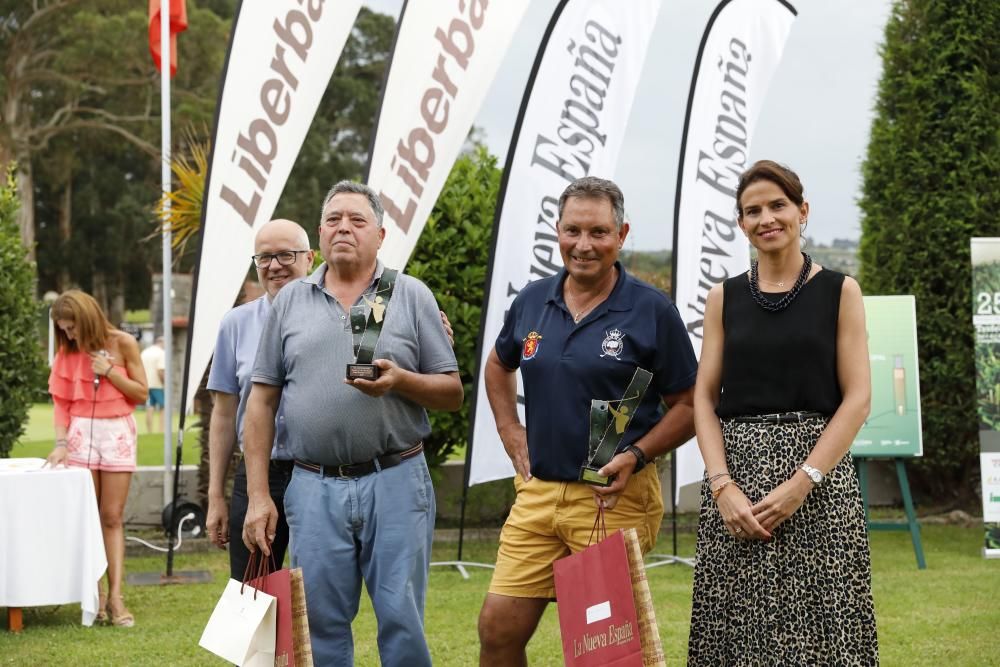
{"x": 673, "y": 498}
{"x": 461, "y": 520}
{"x": 171, "y": 478}
{"x": 167, "y": 277}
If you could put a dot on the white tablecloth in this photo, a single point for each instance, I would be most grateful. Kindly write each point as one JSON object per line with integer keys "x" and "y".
{"x": 51, "y": 546}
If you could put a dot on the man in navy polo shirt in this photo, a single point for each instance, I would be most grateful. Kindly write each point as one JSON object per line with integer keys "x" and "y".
{"x": 577, "y": 337}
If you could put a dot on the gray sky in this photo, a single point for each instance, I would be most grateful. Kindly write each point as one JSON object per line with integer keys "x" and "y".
{"x": 816, "y": 116}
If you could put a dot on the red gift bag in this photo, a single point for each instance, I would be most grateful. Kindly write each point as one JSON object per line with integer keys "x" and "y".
{"x": 278, "y": 584}
{"x": 597, "y": 616}
{"x": 291, "y": 641}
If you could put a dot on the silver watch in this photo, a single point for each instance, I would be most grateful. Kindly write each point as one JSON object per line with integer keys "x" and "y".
{"x": 814, "y": 474}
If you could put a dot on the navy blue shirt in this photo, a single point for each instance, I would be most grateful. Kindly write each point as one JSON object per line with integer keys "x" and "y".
{"x": 565, "y": 365}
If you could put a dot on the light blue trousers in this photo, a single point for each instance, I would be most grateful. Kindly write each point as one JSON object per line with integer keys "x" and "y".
{"x": 377, "y": 528}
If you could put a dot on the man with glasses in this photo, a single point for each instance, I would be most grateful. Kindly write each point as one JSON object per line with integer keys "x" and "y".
{"x": 282, "y": 255}
{"x": 360, "y": 505}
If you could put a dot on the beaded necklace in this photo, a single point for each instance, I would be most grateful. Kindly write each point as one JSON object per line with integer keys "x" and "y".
{"x": 783, "y": 302}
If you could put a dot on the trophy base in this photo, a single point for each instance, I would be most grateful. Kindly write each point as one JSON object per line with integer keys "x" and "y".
{"x": 362, "y": 372}
{"x": 591, "y": 476}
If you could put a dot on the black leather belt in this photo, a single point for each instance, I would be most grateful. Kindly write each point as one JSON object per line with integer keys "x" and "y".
{"x": 282, "y": 465}
{"x": 361, "y": 469}
{"x": 779, "y": 417}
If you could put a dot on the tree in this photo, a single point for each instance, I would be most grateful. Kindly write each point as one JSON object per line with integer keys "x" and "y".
{"x": 92, "y": 227}
{"x": 451, "y": 257}
{"x": 75, "y": 72}
{"x": 930, "y": 183}
{"x": 93, "y": 187}
{"x": 21, "y": 364}
{"x": 63, "y": 62}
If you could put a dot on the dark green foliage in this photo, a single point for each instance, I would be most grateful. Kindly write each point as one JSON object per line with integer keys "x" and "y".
{"x": 105, "y": 251}
{"x": 652, "y": 267}
{"x": 94, "y": 131}
{"x": 21, "y": 364}
{"x": 930, "y": 183}
{"x": 224, "y": 9}
{"x": 451, "y": 258}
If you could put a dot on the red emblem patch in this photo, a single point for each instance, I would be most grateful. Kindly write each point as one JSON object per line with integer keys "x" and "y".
{"x": 530, "y": 345}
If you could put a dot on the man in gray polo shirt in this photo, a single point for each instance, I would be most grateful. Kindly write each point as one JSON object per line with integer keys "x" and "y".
{"x": 360, "y": 504}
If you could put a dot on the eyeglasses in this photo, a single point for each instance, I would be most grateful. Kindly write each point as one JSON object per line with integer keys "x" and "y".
{"x": 285, "y": 258}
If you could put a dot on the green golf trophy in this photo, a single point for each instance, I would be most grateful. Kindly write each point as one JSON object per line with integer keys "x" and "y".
{"x": 366, "y": 329}
{"x": 608, "y": 422}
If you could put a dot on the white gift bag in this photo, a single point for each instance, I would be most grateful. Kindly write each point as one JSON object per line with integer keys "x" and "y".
{"x": 242, "y": 627}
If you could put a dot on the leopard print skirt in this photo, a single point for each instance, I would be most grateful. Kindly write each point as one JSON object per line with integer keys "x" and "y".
{"x": 802, "y": 598}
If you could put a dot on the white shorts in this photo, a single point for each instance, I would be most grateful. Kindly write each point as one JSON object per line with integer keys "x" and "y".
{"x": 112, "y": 447}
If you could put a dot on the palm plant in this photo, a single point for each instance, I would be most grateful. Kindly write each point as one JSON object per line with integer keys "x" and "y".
{"x": 179, "y": 211}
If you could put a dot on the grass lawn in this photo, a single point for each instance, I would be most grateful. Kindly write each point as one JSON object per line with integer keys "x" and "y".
{"x": 39, "y": 437}
{"x": 945, "y": 615}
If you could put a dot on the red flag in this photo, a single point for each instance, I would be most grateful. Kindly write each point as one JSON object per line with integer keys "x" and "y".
{"x": 178, "y": 23}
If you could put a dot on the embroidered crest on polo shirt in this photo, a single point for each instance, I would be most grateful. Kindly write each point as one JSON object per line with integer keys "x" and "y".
{"x": 613, "y": 344}
{"x": 530, "y": 348}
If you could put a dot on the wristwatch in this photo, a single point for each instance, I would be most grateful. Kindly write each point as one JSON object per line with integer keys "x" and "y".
{"x": 814, "y": 474}
{"x": 640, "y": 458}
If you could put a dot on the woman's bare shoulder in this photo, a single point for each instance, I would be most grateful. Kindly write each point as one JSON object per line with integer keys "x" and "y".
{"x": 125, "y": 343}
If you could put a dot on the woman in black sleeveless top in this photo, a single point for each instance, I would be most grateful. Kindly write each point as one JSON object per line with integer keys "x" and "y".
{"x": 783, "y": 572}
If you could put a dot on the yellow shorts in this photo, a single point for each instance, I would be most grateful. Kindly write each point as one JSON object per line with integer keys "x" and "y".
{"x": 550, "y": 520}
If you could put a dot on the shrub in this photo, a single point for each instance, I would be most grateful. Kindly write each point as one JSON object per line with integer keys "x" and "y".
{"x": 451, "y": 258}
{"x": 21, "y": 365}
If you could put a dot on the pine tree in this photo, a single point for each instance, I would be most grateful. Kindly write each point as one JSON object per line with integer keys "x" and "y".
{"x": 930, "y": 183}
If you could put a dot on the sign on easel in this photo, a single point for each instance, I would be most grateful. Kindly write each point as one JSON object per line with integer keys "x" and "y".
{"x": 893, "y": 428}
{"x": 986, "y": 319}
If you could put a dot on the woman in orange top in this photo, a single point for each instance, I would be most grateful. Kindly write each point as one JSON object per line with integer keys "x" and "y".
{"x": 97, "y": 379}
